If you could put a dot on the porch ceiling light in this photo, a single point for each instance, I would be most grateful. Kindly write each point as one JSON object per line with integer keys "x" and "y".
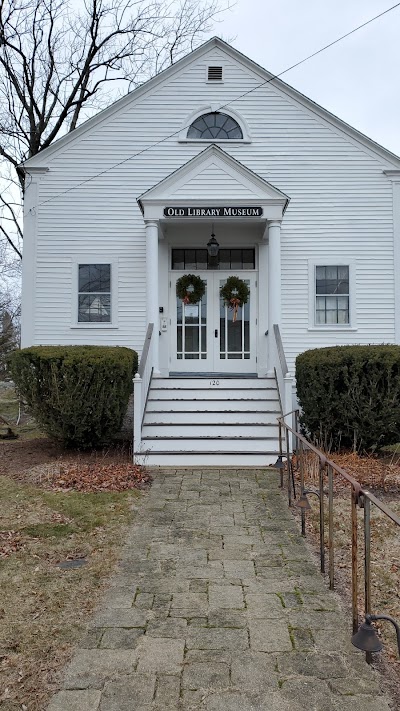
{"x": 213, "y": 246}
{"x": 366, "y": 638}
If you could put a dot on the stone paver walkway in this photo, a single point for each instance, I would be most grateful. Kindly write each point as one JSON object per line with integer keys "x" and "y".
{"x": 218, "y": 606}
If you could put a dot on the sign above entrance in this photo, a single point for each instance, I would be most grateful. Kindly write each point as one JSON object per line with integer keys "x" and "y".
{"x": 228, "y": 211}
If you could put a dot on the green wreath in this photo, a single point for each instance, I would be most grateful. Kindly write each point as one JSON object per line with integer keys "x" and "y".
{"x": 235, "y": 290}
{"x": 190, "y": 289}
{"x": 235, "y": 294}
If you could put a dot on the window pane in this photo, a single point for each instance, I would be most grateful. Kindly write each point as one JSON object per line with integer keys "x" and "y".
{"x": 248, "y": 259}
{"x": 343, "y": 273}
{"x": 236, "y": 258}
{"x": 94, "y": 277}
{"x": 94, "y": 308}
{"x": 331, "y": 302}
{"x": 331, "y": 316}
{"x": 224, "y": 258}
{"x": 320, "y": 317}
{"x": 331, "y": 273}
{"x": 201, "y": 259}
{"x": 190, "y": 259}
{"x": 215, "y": 125}
{"x": 343, "y": 316}
{"x": 178, "y": 259}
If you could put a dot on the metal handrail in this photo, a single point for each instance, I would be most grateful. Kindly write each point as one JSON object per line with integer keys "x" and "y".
{"x": 146, "y": 348}
{"x": 281, "y": 352}
{"x": 360, "y": 497}
{"x": 328, "y": 462}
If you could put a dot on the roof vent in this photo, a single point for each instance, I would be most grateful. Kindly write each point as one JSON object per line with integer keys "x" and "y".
{"x": 214, "y": 74}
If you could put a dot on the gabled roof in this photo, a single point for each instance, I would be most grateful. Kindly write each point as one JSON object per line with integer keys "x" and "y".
{"x": 265, "y": 77}
{"x": 193, "y": 180}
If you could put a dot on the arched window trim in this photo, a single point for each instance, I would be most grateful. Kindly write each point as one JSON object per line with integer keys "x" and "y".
{"x": 212, "y": 109}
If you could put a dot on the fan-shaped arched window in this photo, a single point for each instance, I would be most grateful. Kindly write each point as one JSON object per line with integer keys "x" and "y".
{"x": 215, "y": 126}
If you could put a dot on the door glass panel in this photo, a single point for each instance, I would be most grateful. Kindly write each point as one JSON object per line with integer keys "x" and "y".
{"x": 234, "y": 339}
{"x": 191, "y": 335}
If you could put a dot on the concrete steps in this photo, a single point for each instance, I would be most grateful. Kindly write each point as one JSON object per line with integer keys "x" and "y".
{"x": 210, "y": 421}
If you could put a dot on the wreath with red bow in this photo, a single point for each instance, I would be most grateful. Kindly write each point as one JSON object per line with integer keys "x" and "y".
{"x": 190, "y": 289}
{"x": 235, "y": 294}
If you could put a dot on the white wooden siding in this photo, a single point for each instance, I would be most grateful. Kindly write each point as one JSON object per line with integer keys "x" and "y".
{"x": 341, "y": 205}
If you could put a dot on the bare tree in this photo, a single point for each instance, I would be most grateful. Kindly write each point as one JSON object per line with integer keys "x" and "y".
{"x": 60, "y": 61}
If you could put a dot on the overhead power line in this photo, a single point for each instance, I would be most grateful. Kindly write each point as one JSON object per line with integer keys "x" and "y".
{"x": 223, "y": 106}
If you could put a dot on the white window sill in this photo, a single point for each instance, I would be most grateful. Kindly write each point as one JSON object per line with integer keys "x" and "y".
{"x": 95, "y": 325}
{"x": 213, "y": 140}
{"x": 332, "y": 328}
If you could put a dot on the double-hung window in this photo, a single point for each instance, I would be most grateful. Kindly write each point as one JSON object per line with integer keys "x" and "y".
{"x": 94, "y": 293}
{"x": 332, "y": 295}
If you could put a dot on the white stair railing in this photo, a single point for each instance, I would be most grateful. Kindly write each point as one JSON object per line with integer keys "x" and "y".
{"x": 284, "y": 380}
{"x": 141, "y": 386}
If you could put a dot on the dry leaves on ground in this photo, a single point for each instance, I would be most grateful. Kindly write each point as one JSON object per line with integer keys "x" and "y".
{"x": 96, "y": 477}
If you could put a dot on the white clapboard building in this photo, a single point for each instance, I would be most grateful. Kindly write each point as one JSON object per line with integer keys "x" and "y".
{"x": 212, "y": 169}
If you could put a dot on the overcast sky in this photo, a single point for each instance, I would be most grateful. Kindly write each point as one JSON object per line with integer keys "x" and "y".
{"x": 358, "y": 79}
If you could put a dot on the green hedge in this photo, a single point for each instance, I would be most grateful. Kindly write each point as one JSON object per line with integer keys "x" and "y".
{"x": 77, "y": 394}
{"x": 350, "y": 395}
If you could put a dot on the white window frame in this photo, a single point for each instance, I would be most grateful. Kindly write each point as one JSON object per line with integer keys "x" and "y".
{"x": 312, "y": 294}
{"x": 211, "y": 108}
{"x": 94, "y": 259}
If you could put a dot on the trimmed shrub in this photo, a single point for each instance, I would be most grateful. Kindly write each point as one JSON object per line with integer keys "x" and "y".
{"x": 350, "y": 395}
{"x": 77, "y": 394}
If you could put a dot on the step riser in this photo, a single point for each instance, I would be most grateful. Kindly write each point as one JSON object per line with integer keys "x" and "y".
{"x": 209, "y": 460}
{"x": 208, "y": 418}
{"x": 216, "y": 430}
{"x": 210, "y": 445}
{"x": 224, "y": 395}
{"x": 214, "y": 383}
{"x": 210, "y": 405}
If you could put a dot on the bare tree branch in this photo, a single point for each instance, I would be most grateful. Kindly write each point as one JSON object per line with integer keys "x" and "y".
{"x": 58, "y": 65}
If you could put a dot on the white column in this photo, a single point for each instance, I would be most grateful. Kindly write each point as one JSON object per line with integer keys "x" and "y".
{"x": 152, "y": 305}
{"x": 274, "y": 275}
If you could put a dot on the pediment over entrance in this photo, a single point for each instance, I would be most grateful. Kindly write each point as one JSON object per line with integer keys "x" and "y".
{"x": 213, "y": 178}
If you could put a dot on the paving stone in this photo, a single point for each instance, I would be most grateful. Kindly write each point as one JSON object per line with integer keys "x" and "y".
{"x": 302, "y": 639}
{"x": 225, "y": 596}
{"x": 120, "y": 618}
{"x": 227, "y": 618}
{"x": 360, "y": 703}
{"x": 119, "y": 598}
{"x": 144, "y": 601}
{"x": 198, "y": 586}
{"x": 354, "y": 685}
{"x": 87, "y": 700}
{"x": 159, "y": 654}
{"x": 242, "y": 701}
{"x": 311, "y": 694}
{"x": 313, "y": 664}
{"x": 90, "y": 669}
{"x": 167, "y": 693}
{"x": 133, "y": 692}
{"x": 239, "y": 568}
{"x": 254, "y": 670}
{"x": 191, "y": 601}
{"x": 120, "y": 638}
{"x": 269, "y": 636}
{"x": 205, "y": 675}
{"x": 264, "y": 605}
{"x": 169, "y": 627}
{"x": 92, "y": 639}
{"x": 214, "y": 638}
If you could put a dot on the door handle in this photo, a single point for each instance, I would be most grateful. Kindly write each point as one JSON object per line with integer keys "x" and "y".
{"x": 216, "y": 333}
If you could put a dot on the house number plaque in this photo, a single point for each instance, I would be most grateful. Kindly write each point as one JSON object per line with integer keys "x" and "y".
{"x": 228, "y": 211}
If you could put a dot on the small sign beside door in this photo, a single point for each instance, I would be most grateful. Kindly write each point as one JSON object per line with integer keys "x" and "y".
{"x": 228, "y": 211}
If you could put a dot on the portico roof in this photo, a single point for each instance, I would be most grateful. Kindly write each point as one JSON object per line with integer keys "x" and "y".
{"x": 213, "y": 177}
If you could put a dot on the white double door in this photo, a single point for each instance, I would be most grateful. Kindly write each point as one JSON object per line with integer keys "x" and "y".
{"x": 205, "y": 337}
